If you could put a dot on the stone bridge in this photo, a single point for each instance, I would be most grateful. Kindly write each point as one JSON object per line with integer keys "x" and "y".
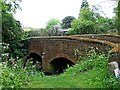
{"x": 55, "y": 53}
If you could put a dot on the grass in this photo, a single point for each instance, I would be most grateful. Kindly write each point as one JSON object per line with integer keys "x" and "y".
{"x": 53, "y": 82}
{"x": 81, "y": 80}
{"x": 89, "y": 73}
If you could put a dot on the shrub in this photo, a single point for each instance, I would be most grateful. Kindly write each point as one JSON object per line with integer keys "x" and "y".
{"x": 94, "y": 68}
{"x": 14, "y": 76}
{"x": 93, "y": 61}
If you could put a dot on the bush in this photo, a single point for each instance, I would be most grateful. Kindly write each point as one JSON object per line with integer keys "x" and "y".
{"x": 93, "y": 61}
{"x": 66, "y": 22}
{"x": 37, "y": 32}
{"x": 16, "y": 76}
{"x": 94, "y": 70}
{"x": 13, "y": 75}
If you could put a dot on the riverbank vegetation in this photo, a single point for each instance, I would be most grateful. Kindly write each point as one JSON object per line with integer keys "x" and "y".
{"x": 90, "y": 72}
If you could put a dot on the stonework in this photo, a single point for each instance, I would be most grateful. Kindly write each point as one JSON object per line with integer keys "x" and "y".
{"x": 73, "y": 47}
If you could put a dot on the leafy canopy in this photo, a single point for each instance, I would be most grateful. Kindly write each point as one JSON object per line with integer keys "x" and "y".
{"x": 85, "y": 23}
{"x": 90, "y": 22}
{"x": 52, "y": 22}
{"x": 12, "y": 32}
{"x": 66, "y": 22}
{"x": 10, "y": 5}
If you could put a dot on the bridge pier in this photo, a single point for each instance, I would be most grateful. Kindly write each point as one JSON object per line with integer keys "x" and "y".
{"x": 47, "y": 67}
{"x": 45, "y": 64}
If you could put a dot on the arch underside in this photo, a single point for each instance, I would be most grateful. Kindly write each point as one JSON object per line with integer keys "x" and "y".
{"x": 36, "y": 60}
{"x": 59, "y": 64}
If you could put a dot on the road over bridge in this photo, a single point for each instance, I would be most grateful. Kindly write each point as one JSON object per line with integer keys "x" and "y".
{"x": 55, "y": 53}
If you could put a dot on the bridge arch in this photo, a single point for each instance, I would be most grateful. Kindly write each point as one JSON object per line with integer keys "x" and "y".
{"x": 59, "y": 64}
{"x": 37, "y": 60}
{"x": 36, "y": 57}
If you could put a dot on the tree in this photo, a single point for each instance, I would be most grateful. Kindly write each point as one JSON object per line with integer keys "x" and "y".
{"x": 82, "y": 26}
{"x": 52, "y": 22}
{"x": 11, "y": 29}
{"x": 12, "y": 32}
{"x": 97, "y": 10}
{"x": 87, "y": 14}
{"x": 10, "y": 6}
{"x": 117, "y": 11}
{"x": 84, "y": 4}
{"x": 85, "y": 23}
{"x": 104, "y": 25}
{"x": 91, "y": 21}
{"x": 66, "y": 22}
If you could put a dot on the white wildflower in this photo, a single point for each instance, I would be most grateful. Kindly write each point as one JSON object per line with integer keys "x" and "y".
{"x": 33, "y": 66}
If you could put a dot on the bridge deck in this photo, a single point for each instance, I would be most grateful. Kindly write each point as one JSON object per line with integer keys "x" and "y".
{"x": 111, "y": 38}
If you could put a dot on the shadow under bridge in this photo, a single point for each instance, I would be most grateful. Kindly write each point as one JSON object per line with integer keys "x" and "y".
{"x": 59, "y": 65}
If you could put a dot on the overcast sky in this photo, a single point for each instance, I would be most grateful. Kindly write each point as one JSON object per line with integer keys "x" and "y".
{"x": 35, "y": 13}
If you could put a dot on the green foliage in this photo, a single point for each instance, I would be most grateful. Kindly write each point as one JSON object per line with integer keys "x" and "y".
{"x": 116, "y": 18}
{"x": 104, "y": 25}
{"x": 54, "y": 31}
{"x": 12, "y": 73}
{"x": 90, "y": 72}
{"x": 12, "y": 32}
{"x": 12, "y": 77}
{"x": 112, "y": 82}
{"x": 82, "y": 26}
{"x": 52, "y": 28}
{"x": 71, "y": 32}
{"x": 84, "y": 4}
{"x": 10, "y": 5}
{"x": 88, "y": 24}
{"x": 85, "y": 23}
{"x": 86, "y": 14}
{"x": 37, "y": 32}
{"x": 93, "y": 61}
{"x": 66, "y": 22}
{"x": 11, "y": 29}
{"x": 95, "y": 69}
{"x": 52, "y": 22}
